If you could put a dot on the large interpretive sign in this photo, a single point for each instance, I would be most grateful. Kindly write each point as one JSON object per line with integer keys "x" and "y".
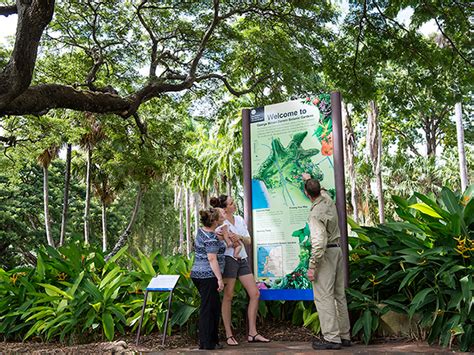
{"x": 287, "y": 140}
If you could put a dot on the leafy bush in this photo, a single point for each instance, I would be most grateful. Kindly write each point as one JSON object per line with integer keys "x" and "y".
{"x": 72, "y": 292}
{"x": 421, "y": 265}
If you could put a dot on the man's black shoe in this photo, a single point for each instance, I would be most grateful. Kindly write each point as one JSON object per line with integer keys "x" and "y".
{"x": 325, "y": 345}
{"x": 346, "y": 342}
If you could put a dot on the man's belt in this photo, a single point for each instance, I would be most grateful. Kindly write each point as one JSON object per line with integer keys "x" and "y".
{"x": 333, "y": 245}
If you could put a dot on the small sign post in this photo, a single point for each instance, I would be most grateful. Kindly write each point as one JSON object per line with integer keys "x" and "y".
{"x": 160, "y": 283}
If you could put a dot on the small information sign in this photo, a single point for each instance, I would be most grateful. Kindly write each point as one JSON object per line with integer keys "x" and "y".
{"x": 160, "y": 283}
{"x": 163, "y": 283}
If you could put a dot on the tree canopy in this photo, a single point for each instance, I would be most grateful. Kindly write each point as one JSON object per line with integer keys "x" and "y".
{"x": 129, "y": 53}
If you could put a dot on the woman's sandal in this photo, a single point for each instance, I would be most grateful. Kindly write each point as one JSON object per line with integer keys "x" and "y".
{"x": 233, "y": 339}
{"x": 255, "y": 340}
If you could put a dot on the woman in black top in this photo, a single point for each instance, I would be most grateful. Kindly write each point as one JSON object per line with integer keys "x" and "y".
{"x": 206, "y": 274}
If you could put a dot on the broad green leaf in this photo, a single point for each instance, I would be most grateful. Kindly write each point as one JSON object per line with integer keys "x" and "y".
{"x": 114, "y": 258}
{"x": 53, "y": 290}
{"x": 424, "y": 208}
{"x": 40, "y": 267}
{"x": 108, "y": 325}
{"x": 109, "y": 277}
{"x": 96, "y": 306}
{"x": 74, "y": 287}
{"x": 367, "y": 320}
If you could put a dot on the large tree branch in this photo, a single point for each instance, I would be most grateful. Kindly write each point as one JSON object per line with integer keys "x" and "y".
{"x": 8, "y": 10}
{"x": 33, "y": 17}
{"x": 359, "y": 35}
{"x": 205, "y": 39}
{"x": 229, "y": 87}
{"x": 453, "y": 46}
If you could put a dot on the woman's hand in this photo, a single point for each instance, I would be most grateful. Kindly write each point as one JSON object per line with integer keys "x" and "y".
{"x": 220, "y": 285}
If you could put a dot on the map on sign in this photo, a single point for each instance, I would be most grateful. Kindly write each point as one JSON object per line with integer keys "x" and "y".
{"x": 270, "y": 261}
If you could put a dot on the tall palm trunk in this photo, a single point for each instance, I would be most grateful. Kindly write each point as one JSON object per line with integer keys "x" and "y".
{"x": 196, "y": 212}
{"x": 88, "y": 196}
{"x": 44, "y": 159}
{"x": 181, "y": 224}
{"x": 67, "y": 182}
{"x": 350, "y": 154}
{"x": 47, "y": 221}
{"x": 374, "y": 145}
{"x": 229, "y": 186}
{"x": 188, "y": 223}
{"x": 126, "y": 233}
{"x": 104, "y": 226}
{"x": 461, "y": 152}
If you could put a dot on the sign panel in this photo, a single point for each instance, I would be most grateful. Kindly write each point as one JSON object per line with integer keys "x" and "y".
{"x": 163, "y": 283}
{"x": 287, "y": 140}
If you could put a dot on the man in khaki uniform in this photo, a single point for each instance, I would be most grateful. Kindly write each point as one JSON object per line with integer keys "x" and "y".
{"x": 326, "y": 270}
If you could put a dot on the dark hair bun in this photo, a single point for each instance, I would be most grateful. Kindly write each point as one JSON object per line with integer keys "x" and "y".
{"x": 208, "y": 217}
{"x": 219, "y": 202}
{"x": 214, "y": 202}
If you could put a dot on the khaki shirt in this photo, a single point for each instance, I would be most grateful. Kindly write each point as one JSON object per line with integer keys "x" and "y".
{"x": 323, "y": 226}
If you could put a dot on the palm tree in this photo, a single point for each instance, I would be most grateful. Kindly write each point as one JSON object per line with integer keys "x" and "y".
{"x": 104, "y": 191}
{"x": 88, "y": 141}
{"x": 44, "y": 160}
{"x": 67, "y": 180}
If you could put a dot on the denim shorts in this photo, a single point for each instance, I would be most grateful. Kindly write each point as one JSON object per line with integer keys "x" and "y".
{"x": 235, "y": 267}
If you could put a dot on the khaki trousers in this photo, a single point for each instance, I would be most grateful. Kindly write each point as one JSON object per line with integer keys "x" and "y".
{"x": 330, "y": 297}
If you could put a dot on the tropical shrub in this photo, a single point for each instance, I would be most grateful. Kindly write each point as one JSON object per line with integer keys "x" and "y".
{"x": 72, "y": 292}
{"x": 420, "y": 265}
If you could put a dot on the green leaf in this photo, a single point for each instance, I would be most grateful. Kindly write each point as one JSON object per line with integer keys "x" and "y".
{"x": 74, "y": 287}
{"x": 114, "y": 258}
{"x": 108, "y": 325}
{"x": 109, "y": 277}
{"x": 182, "y": 314}
{"x": 450, "y": 201}
{"x": 466, "y": 286}
{"x": 146, "y": 264}
{"x": 40, "y": 267}
{"x": 424, "y": 208}
{"x": 367, "y": 321}
{"x": 53, "y": 291}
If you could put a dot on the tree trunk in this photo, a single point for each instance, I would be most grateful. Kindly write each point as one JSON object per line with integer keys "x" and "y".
{"x": 205, "y": 202}
{"x": 229, "y": 186}
{"x": 181, "y": 224}
{"x": 350, "y": 154}
{"x": 430, "y": 128}
{"x": 378, "y": 175}
{"x": 47, "y": 222}
{"x": 461, "y": 152}
{"x": 88, "y": 196}
{"x": 126, "y": 233}
{"x": 188, "y": 223}
{"x": 67, "y": 181}
{"x": 374, "y": 145}
{"x": 104, "y": 226}
{"x": 196, "y": 212}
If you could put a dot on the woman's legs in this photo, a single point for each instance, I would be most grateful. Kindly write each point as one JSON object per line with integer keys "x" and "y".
{"x": 209, "y": 312}
{"x": 248, "y": 281}
{"x": 227, "y": 308}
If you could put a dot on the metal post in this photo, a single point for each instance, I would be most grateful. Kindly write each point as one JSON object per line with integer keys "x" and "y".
{"x": 339, "y": 178}
{"x": 247, "y": 167}
{"x": 141, "y": 318}
{"x": 166, "y": 319}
